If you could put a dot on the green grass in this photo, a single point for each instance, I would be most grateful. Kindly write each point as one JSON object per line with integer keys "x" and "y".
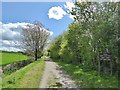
{"x": 27, "y": 77}
{"x": 89, "y": 78}
{"x": 0, "y": 83}
{"x": 10, "y": 57}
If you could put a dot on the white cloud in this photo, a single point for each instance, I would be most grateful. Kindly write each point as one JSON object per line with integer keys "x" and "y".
{"x": 71, "y": 16}
{"x": 51, "y": 33}
{"x": 56, "y": 13}
{"x": 11, "y": 33}
{"x": 10, "y": 49}
{"x": 11, "y": 36}
{"x": 14, "y": 25}
{"x": 10, "y": 43}
{"x": 17, "y": 27}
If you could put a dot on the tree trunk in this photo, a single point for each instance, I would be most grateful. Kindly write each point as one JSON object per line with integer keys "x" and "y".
{"x": 99, "y": 67}
{"x": 35, "y": 54}
{"x": 111, "y": 67}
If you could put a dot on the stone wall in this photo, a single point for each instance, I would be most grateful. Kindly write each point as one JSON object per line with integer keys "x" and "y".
{"x": 9, "y": 68}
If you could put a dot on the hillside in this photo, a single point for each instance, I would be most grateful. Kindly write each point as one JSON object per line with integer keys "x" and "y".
{"x": 10, "y": 57}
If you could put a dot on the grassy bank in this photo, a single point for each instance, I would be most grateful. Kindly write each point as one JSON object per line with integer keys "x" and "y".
{"x": 27, "y": 77}
{"x": 9, "y": 57}
{"x": 89, "y": 78}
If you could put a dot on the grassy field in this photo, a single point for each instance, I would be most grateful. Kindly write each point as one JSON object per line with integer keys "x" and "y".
{"x": 27, "y": 77}
{"x": 89, "y": 78}
{"x": 9, "y": 57}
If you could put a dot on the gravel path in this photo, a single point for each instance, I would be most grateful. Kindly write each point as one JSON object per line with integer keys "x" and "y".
{"x": 54, "y": 77}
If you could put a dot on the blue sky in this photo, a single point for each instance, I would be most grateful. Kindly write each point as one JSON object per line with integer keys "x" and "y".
{"x": 13, "y": 12}
{"x": 16, "y": 15}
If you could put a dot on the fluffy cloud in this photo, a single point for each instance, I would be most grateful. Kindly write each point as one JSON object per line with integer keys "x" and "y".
{"x": 51, "y": 33}
{"x": 56, "y": 13}
{"x": 71, "y": 16}
{"x": 10, "y": 49}
{"x": 10, "y": 43}
{"x": 15, "y": 25}
{"x": 11, "y": 31}
{"x": 11, "y": 36}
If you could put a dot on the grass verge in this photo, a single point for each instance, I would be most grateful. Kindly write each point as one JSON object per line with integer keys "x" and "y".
{"x": 89, "y": 78}
{"x": 27, "y": 77}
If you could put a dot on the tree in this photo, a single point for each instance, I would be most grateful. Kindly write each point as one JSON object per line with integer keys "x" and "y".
{"x": 100, "y": 21}
{"x": 93, "y": 34}
{"x": 55, "y": 47}
{"x": 34, "y": 39}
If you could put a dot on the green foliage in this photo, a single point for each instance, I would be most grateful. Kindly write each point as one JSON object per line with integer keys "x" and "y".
{"x": 27, "y": 77}
{"x": 94, "y": 31}
{"x": 87, "y": 78}
{"x": 10, "y": 57}
{"x": 55, "y": 47}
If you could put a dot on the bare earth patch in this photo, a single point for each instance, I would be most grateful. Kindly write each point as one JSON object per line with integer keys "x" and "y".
{"x": 54, "y": 77}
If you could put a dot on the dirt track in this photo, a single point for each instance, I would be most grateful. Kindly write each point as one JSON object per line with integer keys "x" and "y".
{"x": 54, "y": 77}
